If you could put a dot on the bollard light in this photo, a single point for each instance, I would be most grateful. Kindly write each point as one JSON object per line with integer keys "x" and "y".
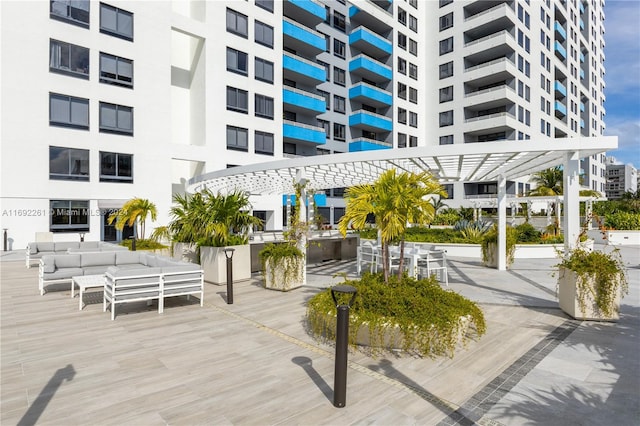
{"x": 82, "y": 237}
{"x": 342, "y": 343}
{"x": 5, "y": 238}
{"x": 133, "y": 243}
{"x": 228, "y": 253}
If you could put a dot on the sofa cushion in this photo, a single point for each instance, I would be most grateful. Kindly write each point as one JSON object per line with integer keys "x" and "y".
{"x": 32, "y": 248}
{"x": 150, "y": 260}
{"x": 89, "y": 244}
{"x": 48, "y": 264}
{"x": 95, "y": 270}
{"x": 63, "y": 261}
{"x": 64, "y": 246}
{"x": 128, "y": 257}
{"x": 98, "y": 259}
{"x": 127, "y": 272}
{"x": 46, "y": 246}
{"x": 64, "y": 273}
{"x": 181, "y": 267}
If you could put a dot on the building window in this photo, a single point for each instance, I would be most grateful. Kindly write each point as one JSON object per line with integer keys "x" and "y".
{"x": 237, "y": 23}
{"x": 339, "y": 48}
{"x": 327, "y": 70}
{"x": 339, "y": 132}
{"x": 237, "y": 100}
{"x": 413, "y": 23}
{"x": 263, "y": 143}
{"x": 413, "y": 47}
{"x": 327, "y": 41}
{"x": 263, "y": 70}
{"x": 446, "y": 140}
{"x": 264, "y": 106}
{"x": 288, "y": 148}
{"x": 67, "y": 58}
{"x": 449, "y": 188}
{"x": 402, "y": 116}
{"x": 445, "y": 2}
{"x": 116, "y": 71}
{"x": 116, "y": 167}
{"x": 402, "y": 41}
{"x": 327, "y": 14}
{"x": 237, "y": 138}
{"x": 74, "y": 11}
{"x": 413, "y": 71}
{"x": 446, "y": 118}
{"x": 446, "y": 21}
{"x": 446, "y": 70}
{"x": 413, "y": 119}
{"x": 402, "y": 140}
{"x": 402, "y": 90}
{"x": 116, "y": 119}
{"x": 413, "y": 141}
{"x": 326, "y": 126}
{"x": 265, "y": 4}
{"x": 67, "y": 111}
{"x": 263, "y": 34}
{"x": 402, "y": 66}
{"x": 413, "y": 95}
{"x": 446, "y": 94}
{"x": 339, "y": 104}
{"x": 68, "y": 163}
{"x": 116, "y": 22}
{"x": 446, "y": 45}
{"x": 237, "y": 61}
{"x": 402, "y": 16}
{"x": 339, "y": 21}
{"x": 339, "y": 76}
{"x": 327, "y": 98}
{"x": 69, "y": 216}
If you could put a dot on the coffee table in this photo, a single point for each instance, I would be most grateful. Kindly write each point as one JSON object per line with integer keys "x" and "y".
{"x": 84, "y": 282}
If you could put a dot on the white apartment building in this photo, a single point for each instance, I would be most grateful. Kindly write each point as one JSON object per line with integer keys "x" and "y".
{"x": 621, "y": 178}
{"x": 122, "y": 99}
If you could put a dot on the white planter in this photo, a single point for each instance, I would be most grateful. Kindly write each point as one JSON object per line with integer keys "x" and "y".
{"x": 621, "y": 238}
{"x": 568, "y": 298}
{"x": 214, "y": 263}
{"x": 274, "y": 275}
{"x": 492, "y": 257}
{"x": 185, "y": 252}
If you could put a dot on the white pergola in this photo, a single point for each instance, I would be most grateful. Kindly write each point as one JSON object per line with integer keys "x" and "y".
{"x": 473, "y": 162}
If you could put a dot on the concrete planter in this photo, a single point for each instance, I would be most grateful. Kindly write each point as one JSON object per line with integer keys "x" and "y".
{"x": 185, "y": 252}
{"x": 621, "y": 238}
{"x": 569, "y": 300}
{"x": 274, "y": 275}
{"x": 492, "y": 257}
{"x": 214, "y": 263}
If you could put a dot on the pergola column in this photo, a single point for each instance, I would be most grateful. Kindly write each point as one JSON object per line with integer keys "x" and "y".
{"x": 302, "y": 216}
{"x": 502, "y": 223}
{"x": 571, "y": 224}
{"x": 588, "y": 214}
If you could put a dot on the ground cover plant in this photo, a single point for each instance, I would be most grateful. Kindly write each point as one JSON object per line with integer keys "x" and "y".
{"x": 417, "y": 316}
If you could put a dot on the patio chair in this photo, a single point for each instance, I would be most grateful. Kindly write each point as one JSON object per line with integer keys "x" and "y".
{"x": 368, "y": 255}
{"x": 434, "y": 262}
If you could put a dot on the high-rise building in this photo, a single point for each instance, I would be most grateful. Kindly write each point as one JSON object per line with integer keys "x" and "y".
{"x": 621, "y": 178}
{"x": 106, "y": 101}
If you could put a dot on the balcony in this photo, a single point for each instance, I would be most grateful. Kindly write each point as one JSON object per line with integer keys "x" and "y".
{"x": 581, "y": 7}
{"x": 365, "y": 144}
{"x": 299, "y": 101}
{"x": 292, "y": 131}
{"x": 581, "y": 106}
{"x": 370, "y": 95}
{"x": 491, "y": 123}
{"x": 491, "y": 98}
{"x": 560, "y": 109}
{"x": 307, "y": 12}
{"x": 370, "y": 69}
{"x": 559, "y": 29}
{"x": 371, "y": 17}
{"x": 582, "y": 25}
{"x": 479, "y": 9}
{"x": 301, "y": 38}
{"x": 370, "y": 43}
{"x": 561, "y": 52}
{"x": 560, "y": 89}
{"x": 581, "y": 74}
{"x": 581, "y": 57}
{"x": 501, "y": 67}
{"x": 370, "y": 121}
{"x": 302, "y": 70}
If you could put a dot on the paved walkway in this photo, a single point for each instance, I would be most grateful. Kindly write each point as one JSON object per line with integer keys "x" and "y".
{"x": 254, "y": 363}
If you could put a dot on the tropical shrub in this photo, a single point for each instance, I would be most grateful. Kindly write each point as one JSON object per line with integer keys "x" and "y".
{"x": 132, "y": 212}
{"x": 431, "y": 320}
{"x": 623, "y": 220}
{"x": 446, "y": 217}
{"x": 491, "y": 239}
{"x": 527, "y": 233}
{"x": 147, "y": 244}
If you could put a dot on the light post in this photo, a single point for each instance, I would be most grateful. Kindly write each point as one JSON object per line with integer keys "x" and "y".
{"x": 228, "y": 253}
{"x": 5, "y": 237}
{"x": 342, "y": 344}
{"x": 82, "y": 237}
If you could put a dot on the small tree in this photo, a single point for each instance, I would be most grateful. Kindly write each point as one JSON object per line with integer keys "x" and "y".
{"x": 395, "y": 200}
{"x": 134, "y": 210}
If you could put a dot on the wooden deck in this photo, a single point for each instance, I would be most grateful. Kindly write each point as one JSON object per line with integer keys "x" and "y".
{"x": 250, "y": 363}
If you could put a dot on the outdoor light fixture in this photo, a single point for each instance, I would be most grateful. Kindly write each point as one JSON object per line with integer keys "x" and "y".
{"x": 342, "y": 344}
{"x": 228, "y": 253}
{"x": 82, "y": 237}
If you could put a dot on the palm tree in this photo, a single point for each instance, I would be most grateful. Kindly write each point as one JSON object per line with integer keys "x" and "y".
{"x": 548, "y": 182}
{"x": 438, "y": 204}
{"x": 394, "y": 200}
{"x": 134, "y": 210}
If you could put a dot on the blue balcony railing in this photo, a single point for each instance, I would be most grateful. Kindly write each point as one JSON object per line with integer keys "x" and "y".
{"x": 300, "y": 100}
{"x": 370, "y": 121}
{"x": 560, "y": 50}
{"x": 302, "y": 69}
{"x": 560, "y": 88}
{"x": 369, "y": 42}
{"x": 366, "y": 93}
{"x": 560, "y": 30}
{"x": 559, "y": 107}
{"x": 301, "y": 38}
{"x": 370, "y": 69}
{"x": 301, "y": 132}
{"x": 307, "y": 11}
{"x": 365, "y": 145}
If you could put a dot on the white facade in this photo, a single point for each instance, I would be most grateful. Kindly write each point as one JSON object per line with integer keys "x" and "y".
{"x": 164, "y": 114}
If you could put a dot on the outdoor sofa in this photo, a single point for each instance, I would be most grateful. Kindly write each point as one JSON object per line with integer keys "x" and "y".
{"x": 130, "y": 276}
{"x": 35, "y": 250}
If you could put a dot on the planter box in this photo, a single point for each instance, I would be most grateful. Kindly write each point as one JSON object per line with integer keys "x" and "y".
{"x": 492, "y": 257}
{"x": 274, "y": 275}
{"x": 621, "y": 238}
{"x": 214, "y": 263}
{"x": 568, "y": 298}
{"x": 185, "y": 252}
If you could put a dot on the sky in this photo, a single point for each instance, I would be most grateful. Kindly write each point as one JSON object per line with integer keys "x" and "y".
{"x": 622, "y": 78}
